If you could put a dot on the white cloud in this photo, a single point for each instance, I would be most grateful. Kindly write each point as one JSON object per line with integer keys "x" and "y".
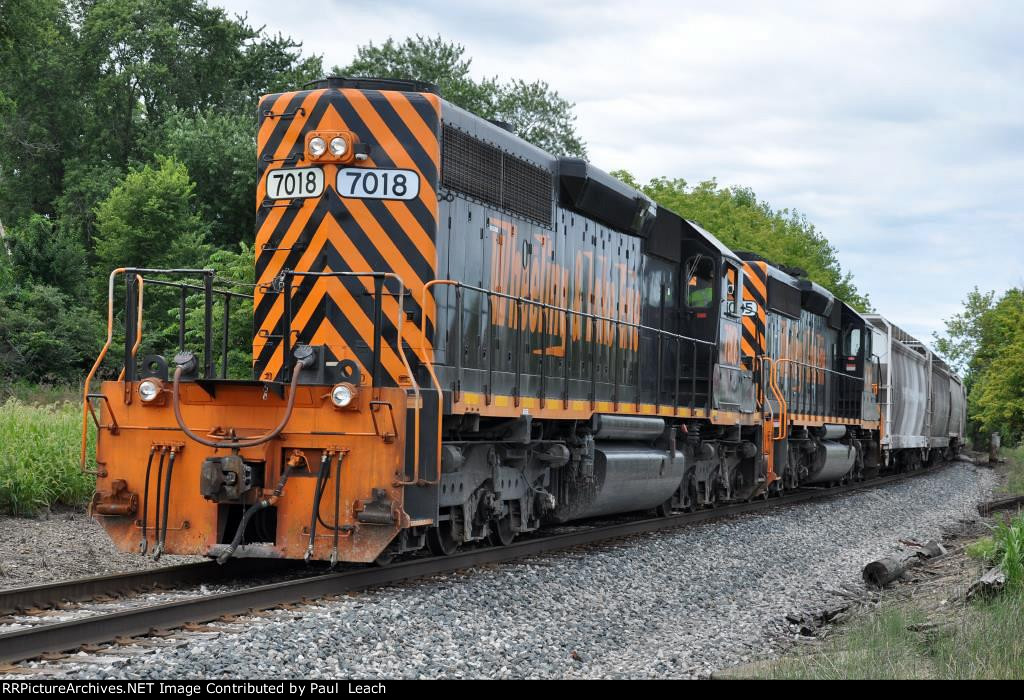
{"x": 895, "y": 126}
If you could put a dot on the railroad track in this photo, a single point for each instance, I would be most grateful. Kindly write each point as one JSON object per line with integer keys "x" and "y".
{"x": 40, "y": 639}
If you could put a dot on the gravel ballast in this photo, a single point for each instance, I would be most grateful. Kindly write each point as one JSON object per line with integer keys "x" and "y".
{"x": 64, "y": 544}
{"x": 668, "y": 604}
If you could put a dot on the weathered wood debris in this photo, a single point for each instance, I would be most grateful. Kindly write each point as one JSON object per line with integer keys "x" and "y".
{"x": 1007, "y": 503}
{"x": 989, "y": 585}
{"x": 881, "y": 572}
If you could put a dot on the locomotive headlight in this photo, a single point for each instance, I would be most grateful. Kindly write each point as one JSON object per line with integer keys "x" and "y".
{"x": 342, "y": 395}
{"x": 339, "y": 147}
{"x": 317, "y": 146}
{"x": 149, "y": 389}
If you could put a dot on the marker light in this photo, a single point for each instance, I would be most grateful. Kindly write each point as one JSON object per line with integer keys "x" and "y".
{"x": 342, "y": 395}
{"x": 149, "y": 389}
{"x": 317, "y": 146}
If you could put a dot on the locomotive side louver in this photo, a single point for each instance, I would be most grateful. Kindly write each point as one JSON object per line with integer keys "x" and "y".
{"x": 485, "y": 172}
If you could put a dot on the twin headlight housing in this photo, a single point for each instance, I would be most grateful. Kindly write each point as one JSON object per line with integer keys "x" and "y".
{"x": 330, "y": 146}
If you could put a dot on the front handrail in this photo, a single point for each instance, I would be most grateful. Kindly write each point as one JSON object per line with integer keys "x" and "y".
{"x": 110, "y": 339}
{"x": 138, "y": 324}
{"x": 378, "y": 331}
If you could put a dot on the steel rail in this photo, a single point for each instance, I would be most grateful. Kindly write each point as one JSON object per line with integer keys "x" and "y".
{"x": 34, "y": 641}
{"x": 48, "y": 595}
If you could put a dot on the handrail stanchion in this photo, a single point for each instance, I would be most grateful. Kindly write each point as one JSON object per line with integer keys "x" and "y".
{"x": 566, "y": 346}
{"x": 224, "y": 340}
{"x": 208, "y": 370}
{"x": 139, "y": 284}
{"x": 593, "y": 361}
{"x": 181, "y": 320}
{"x": 490, "y": 351}
{"x": 543, "y": 357}
{"x": 676, "y": 381}
{"x": 96, "y": 365}
{"x": 517, "y": 391}
{"x": 458, "y": 343}
{"x": 693, "y": 380}
{"x": 657, "y": 380}
{"x": 130, "y": 319}
{"x": 286, "y": 322}
{"x": 615, "y": 368}
{"x": 639, "y": 372}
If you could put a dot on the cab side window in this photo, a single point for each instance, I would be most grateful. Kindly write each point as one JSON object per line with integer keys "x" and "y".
{"x": 851, "y": 344}
{"x": 700, "y": 272}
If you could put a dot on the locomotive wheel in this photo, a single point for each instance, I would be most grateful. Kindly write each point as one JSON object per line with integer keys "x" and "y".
{"x": 441, "y": 541}
{"x": 384, "y": 558}
{"x": 501, "y": 533}
{"x": 690, "y": 495}
{"x": 664, "y": 510}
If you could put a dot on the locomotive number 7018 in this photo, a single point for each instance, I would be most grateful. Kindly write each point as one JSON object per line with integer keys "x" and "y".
{"x": 378, "y": 183}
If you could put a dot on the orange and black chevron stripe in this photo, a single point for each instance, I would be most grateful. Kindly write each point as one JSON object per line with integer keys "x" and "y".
{"x": 342, "y": 234}
{"x": 755, "y": 289}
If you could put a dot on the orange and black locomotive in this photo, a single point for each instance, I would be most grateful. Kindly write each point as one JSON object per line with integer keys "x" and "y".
{"x": 460, "y": 337}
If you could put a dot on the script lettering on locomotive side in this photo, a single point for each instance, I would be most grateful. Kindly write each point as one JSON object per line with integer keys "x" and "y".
{"x": 600, "y": 287}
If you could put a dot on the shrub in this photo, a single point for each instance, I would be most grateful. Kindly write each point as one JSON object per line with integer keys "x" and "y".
{"x": 39, "y": 449}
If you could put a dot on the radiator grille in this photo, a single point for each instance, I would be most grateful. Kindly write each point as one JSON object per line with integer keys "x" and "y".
{"x": 475, "y": 168}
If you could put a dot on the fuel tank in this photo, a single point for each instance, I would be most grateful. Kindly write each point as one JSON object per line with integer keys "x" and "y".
{"x": 832, "y": 461}
{"x": 626, "y": 477}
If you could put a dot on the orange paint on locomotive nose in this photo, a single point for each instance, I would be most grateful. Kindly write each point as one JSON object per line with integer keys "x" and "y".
{"x": 372, "y": 461}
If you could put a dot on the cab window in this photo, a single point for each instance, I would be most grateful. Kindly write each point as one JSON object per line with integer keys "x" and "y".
{"x": 700, "y": 272}
{"x": 851, "y": 346}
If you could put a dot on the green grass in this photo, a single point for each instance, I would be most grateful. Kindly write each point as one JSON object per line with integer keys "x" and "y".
{"x": 39, "y": 394}
{"x": 1005, "y": 549}
{"x": 1014, "y": 470}
{"x": 39, "y": 451}
{"x": 985, "y": 641}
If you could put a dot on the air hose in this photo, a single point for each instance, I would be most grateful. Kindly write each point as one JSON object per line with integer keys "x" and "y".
{"x": 161, "y": 533}
{"x": 318, "y": 493}
{"x": 303, "y": 362}
{"x": 253, "y": 510}
{"x": 143, "y": 545}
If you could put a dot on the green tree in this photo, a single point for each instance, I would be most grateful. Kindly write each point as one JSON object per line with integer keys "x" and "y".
{"x": 996, "y": 401}
{"x": 534, "y": 111}
{"x": 541, "y": 116}
{"x": 148, "y": 58}
{"x": 6, "y": 268}
{"x": 963, "y": 335}
{"x": 432, "y": 60}
{"x": 743, "y": 223}
{"x": 42, "y": 254}
{"x": 225, "y": 175}
{"x": 85, "y": 186}
{"x": 986, "y": 340}
{"x": 45, "y": 336}
{"x": 39, "y": 104}
{"x": 150, "y": 220}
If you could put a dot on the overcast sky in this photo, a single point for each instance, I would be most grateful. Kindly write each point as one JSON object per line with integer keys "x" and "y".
{"x": 897, "y": 127}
